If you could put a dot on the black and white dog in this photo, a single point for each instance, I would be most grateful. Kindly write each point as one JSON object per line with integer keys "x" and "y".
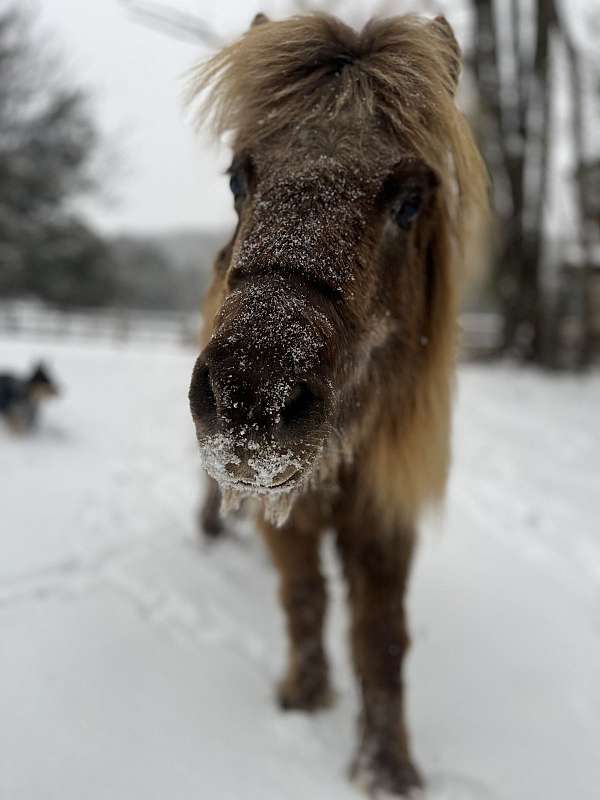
{"x": 20, "y": 398}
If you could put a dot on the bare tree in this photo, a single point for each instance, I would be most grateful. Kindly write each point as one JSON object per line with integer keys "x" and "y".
{"x": 176, "y": 23}
{"x": 47, "y": 141}
{"x": 517, "y": 85}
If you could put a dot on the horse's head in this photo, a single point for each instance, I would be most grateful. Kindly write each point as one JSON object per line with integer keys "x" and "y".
{"x": 349, "y": 161}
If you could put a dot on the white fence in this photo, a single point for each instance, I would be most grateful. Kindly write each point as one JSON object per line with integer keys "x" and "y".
{"x": 480, "y": 331}
{"x": 123, "y": 324}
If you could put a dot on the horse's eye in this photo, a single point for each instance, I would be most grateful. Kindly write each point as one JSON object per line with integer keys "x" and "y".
{"x": 238, "y": 185}
{"x": 408, "y": 209}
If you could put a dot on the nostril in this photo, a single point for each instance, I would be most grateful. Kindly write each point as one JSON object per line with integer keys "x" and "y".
{"x": 301, "y": 405}
{"x": 202, "y": 397}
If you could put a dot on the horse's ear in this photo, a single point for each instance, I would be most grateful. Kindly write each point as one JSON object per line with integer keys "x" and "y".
{"x": 259, "y": 19}
{"x": 443, "y": 29}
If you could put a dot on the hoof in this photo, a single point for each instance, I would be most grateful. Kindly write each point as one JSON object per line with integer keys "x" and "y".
{"x": 383, "y": 774}
{"x": 314, "y": 695}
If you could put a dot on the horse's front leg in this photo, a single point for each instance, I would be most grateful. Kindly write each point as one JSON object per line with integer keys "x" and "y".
{"x": 210, "y": 522}
{"x": 295, "y": 552}
{"x": 377, "y": 565}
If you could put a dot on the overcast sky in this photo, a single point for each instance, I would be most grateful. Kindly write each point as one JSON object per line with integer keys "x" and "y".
{"x": 165, "y": 176}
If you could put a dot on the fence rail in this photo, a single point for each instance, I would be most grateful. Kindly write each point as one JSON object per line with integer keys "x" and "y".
{"x": 177, "y": 327}
{"x": 480, "y": 331}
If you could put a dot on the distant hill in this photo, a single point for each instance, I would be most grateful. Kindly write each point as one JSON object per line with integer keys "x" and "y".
{"x": 190, "y": 249}
{"x": 169, "y": 270}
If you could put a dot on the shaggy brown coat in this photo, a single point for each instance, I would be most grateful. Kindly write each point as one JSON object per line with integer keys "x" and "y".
{"x": 359, "y": 179}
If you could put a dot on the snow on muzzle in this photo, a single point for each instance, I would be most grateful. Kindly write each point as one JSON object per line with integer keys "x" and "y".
{"x": 258, "y": 396}
{"x": 248, "y": 444}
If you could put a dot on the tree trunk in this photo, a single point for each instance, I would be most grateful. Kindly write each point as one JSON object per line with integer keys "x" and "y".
{"x": 584, "y": 235}
{"x": 532, "y": 315}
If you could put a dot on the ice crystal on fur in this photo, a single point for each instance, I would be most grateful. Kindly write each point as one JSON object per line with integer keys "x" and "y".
{"x": 286, "y": 330}
{"x": 216, "y": 453}
{"x": 270, "y": 478}
{"x": 292, "y": 220}
{"x": 231, "y": 500}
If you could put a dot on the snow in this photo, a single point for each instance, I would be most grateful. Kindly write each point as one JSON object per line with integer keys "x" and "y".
{"x": 136, "y": 663}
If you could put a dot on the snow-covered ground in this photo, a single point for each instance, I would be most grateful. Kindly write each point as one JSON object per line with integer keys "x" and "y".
{"x": 136, "y": 664}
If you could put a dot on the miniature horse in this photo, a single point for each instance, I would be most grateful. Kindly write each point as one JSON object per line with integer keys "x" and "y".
{"x": 324, "y": 386}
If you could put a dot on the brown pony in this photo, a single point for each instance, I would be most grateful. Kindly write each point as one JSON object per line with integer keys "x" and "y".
{"x": 324, "y": 386}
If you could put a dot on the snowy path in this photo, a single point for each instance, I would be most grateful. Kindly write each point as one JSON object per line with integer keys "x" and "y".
{"x": 134, "y": 664}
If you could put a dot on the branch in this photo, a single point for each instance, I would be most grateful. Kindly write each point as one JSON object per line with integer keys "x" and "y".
{"x": 174, "y": 23}
{"x": 309, "y": 6}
